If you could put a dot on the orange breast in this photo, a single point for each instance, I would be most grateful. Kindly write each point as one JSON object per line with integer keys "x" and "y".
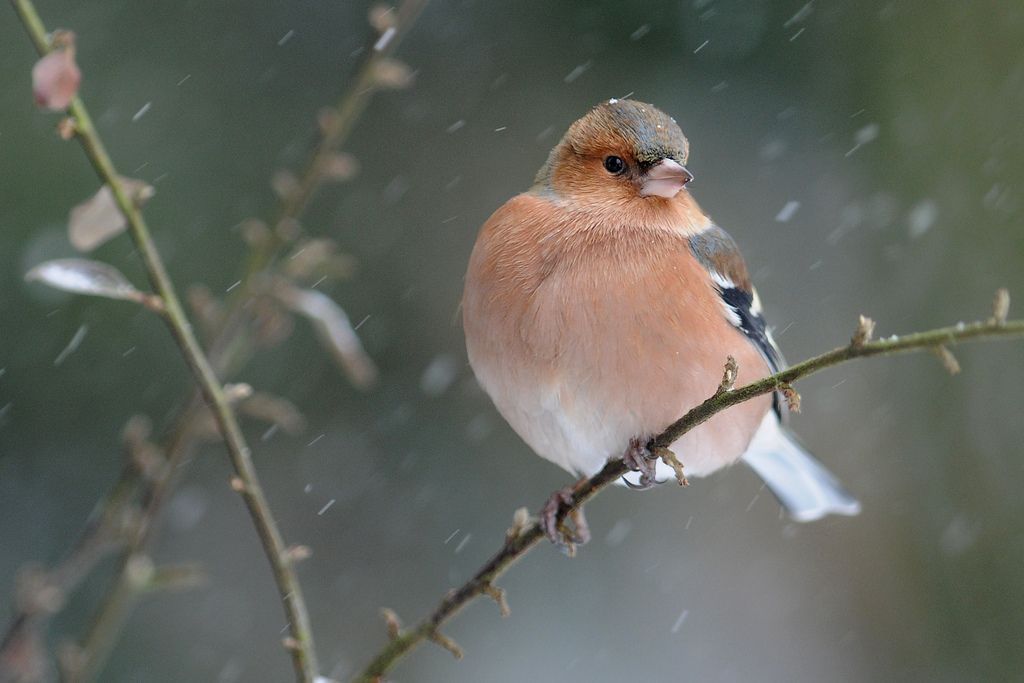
{"x": 587, "y": 332}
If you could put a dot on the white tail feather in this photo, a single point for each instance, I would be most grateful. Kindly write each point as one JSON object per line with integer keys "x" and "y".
{"x": 805, "y": 488}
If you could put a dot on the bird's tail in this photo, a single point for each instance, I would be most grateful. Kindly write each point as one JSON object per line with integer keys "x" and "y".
{"x": 805, "y": 488}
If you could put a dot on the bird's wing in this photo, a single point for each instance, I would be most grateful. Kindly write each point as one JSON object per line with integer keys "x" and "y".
{"x": 717, "y": 252}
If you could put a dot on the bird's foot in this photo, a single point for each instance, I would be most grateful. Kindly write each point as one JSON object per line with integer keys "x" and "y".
{"x": 553, "y": 520}
{"x": 639, "y": 458}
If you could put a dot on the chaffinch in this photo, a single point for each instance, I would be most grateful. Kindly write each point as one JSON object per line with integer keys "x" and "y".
{"x": 601, "y": 304}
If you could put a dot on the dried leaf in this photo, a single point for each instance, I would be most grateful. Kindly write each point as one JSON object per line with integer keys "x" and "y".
{"x": 334, "y": 329}
{"x": 99, "y": 219}
{"x": 56, "y": 77}
{"x": 392, "y": 74}
{"x": 82, "y": 276}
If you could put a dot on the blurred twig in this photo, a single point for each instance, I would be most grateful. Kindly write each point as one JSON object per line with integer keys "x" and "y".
{"x": 301, "y": 642}
{"x": 524, "y": 536}
{"x": 335, "y": 127}
{"x": 226, "y": 355}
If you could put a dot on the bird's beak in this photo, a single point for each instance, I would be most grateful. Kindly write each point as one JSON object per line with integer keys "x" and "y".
{"x": 665, "y": 179}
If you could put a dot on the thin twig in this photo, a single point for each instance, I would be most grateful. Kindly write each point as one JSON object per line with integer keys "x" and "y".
{"x": 303, "y": 653}
{"x": 517, "y": 545}
{"x": 335, "y": 130}
{"x": 224, "y": 356}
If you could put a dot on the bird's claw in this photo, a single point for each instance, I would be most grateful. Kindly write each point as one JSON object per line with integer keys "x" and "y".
{"x": 552, "y": 521}
{"x": 638, "y": 458}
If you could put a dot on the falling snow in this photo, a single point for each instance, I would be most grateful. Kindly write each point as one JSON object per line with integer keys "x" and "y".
{"x": 142, "y": 112}
{"x": 787, "y": 212}
{"x": 922, "y": 217}
{"x": 72, "y": 346}
{"x": 640, "y": 32}
{"x": 680, "y": 620}
{"x": 439, "y": 375}
{"x": 577, "y": 72}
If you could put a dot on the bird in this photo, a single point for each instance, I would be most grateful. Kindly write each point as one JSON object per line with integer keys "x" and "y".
{"x": 602, "y": 304}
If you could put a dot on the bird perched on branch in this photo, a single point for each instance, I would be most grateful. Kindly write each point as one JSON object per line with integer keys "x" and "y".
{"x": 602, "y": 304}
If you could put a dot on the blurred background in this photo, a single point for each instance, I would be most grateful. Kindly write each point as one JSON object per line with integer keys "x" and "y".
{"x": 868, "y": 159}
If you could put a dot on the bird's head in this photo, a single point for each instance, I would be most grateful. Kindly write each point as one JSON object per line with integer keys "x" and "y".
{"x": 621, "y": 150}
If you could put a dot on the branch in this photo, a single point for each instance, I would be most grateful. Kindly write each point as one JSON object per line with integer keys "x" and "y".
{"x": 336, "y": 127}
{"x": 301, "y": 639}
{"x": 225, "y": 356}
{"x": 523, "y": 537}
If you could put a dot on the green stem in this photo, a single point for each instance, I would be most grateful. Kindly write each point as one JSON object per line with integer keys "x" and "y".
{"x": 518, "y": 545}
{"x": 301, "y": 642}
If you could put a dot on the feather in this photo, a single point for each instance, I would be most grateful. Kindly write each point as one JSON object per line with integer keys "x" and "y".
{"x": 805, "y": 488}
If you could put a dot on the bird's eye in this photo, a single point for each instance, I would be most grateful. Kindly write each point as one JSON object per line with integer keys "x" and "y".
{"x": 614, "y": 165}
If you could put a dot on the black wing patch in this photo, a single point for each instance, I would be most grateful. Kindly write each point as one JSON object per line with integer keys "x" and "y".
{"x": 750, "y": 321}
{"x": 717, "y": 252}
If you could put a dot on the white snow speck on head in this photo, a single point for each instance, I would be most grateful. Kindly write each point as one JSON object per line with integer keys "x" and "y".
{"x": 787, "y": 211}
{"x": 613, "y": 101}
